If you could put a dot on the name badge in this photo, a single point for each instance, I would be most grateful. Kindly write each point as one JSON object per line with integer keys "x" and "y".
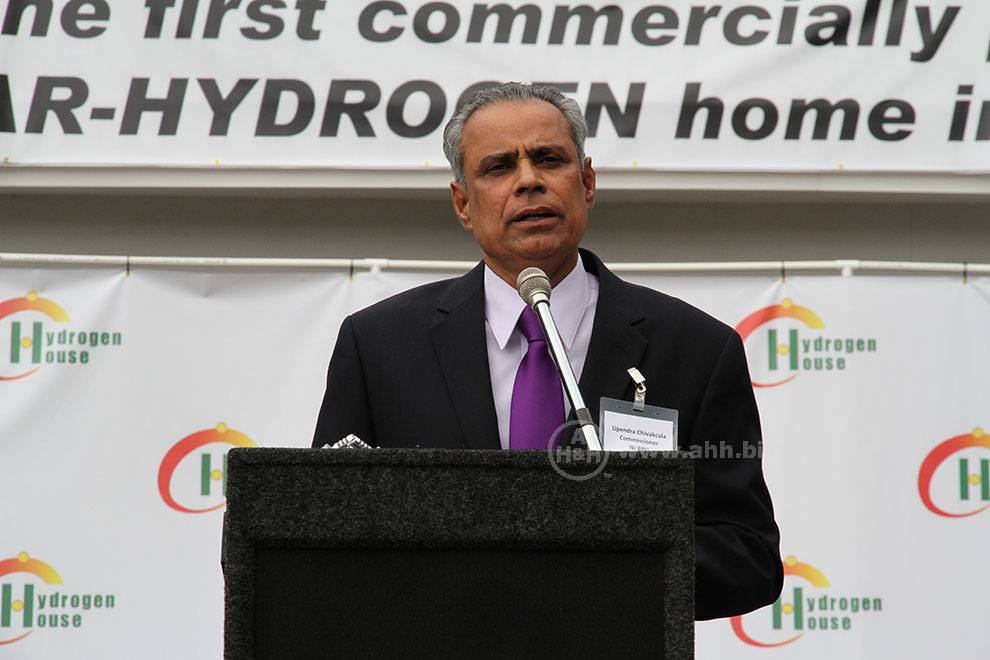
{"x": 625, "y": 429}
{"x": 635, "y": 426}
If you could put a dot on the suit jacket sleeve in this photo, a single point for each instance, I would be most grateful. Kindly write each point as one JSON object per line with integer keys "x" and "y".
{"x": 346, "y": 407}
{"x": 737, "y": 555}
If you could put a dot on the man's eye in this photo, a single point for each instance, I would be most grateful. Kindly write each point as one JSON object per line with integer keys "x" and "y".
{"x": 497, "y": 167}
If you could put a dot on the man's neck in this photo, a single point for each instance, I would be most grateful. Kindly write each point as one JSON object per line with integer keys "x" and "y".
{"x": 555, "y": 269}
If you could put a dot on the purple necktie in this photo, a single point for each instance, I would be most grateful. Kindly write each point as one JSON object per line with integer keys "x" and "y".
{"x": 537, "y": 399}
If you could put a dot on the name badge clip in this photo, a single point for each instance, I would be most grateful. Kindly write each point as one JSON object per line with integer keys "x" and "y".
{"x": 639, "y": 402}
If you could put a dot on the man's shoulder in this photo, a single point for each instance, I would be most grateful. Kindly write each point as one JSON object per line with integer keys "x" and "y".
{"x": 653, "y": 311}
{"x": 671, "y": 315}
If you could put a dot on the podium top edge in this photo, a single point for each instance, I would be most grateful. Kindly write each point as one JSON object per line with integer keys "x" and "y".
{"x": 419, "y": 457}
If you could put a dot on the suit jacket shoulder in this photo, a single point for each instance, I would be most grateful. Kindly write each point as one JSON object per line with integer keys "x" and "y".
{"x": 673, "y": 314}
{"x": 413, "y": 369}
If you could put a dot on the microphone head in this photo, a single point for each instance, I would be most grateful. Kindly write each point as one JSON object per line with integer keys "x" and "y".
{"x": 531, "y": 283}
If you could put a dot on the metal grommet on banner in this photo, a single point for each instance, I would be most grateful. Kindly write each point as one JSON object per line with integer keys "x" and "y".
{"x": 640, "y": 401}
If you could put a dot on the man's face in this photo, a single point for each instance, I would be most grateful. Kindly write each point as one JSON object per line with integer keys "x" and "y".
{"x": 527, "y": 196}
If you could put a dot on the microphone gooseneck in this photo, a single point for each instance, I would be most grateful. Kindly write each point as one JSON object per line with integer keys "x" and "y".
{"x": 533, "y": 286}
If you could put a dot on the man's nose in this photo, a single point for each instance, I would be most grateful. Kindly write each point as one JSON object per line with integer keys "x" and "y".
{"x": 530, "y": 178}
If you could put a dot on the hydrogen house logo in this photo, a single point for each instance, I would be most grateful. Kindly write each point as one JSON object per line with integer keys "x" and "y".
{"x": 32, "y": 599}
{"x": 784, "y": 340}
{"x": 37, "y": 337}
{"x": 192, "y": 477}
{"x": 806, "y": 605}
{"x": 954, "y": 479}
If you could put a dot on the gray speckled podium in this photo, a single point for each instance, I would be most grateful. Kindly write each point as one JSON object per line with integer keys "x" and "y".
{"x": 432, "y": 553}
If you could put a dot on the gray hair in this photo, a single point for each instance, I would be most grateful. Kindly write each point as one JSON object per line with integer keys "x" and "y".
{"x": 453, "y": 133}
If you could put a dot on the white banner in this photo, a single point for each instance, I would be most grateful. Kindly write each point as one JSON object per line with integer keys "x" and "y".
{"x": 120, "y": 394}
{"x": 861, "y": 85}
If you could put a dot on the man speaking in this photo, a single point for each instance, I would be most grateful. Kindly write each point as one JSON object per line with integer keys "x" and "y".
{"x": 463, "y": 363}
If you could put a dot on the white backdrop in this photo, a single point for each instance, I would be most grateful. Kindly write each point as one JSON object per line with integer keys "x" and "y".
{"x": 99, "y": 458}
{"x": 370, "y": 84}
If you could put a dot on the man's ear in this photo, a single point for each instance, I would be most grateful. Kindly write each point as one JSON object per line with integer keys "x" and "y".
{"x": 459, "y": 198}
{"x": 588, "y": 178}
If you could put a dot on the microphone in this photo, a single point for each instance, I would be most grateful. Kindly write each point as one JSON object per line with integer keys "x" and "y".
{"x": 534, "y": 288}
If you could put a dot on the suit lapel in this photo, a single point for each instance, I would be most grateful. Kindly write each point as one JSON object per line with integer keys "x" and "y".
{"x": 615, "y": 343}
{"x": 459, "y": 341}
{"x": 462, "y": 351}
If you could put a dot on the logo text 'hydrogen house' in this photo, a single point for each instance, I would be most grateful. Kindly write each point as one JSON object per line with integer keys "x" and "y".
{"x": 807, "y": 605}
{"x": 39, "y": 333}
{"x": 32, "y": 598}
{"x": 786, "y": 340}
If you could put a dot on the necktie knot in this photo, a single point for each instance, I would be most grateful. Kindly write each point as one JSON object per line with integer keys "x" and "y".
{"x": 529, "y": 325}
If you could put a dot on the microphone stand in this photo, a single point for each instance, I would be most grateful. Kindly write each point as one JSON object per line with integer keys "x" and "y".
{"x": 539, "y": 300}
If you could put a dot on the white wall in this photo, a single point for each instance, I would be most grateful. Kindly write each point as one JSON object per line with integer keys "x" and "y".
{"x": 419, "y": 224}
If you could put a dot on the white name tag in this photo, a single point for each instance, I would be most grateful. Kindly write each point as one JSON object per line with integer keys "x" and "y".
{"x": 624, "y": 429}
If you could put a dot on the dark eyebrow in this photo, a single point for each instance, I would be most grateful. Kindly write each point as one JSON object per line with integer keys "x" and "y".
{"x": 496, "y": 159}
{"x": 543, "y": 149}
{"x": 509, "y": 157}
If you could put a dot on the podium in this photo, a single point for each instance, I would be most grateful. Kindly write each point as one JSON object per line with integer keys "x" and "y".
{"x": 437, "y": 553}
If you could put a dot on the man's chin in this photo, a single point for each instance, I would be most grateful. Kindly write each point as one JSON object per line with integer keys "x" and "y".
{"x": 550, "y": 259}
{"x": 546, "y": 254}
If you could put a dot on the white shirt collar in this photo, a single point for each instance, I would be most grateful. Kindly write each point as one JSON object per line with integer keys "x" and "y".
{"x": 570, "y": 300}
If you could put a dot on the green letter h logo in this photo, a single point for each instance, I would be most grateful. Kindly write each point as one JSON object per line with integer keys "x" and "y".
{"x": 207, "y": 475}
{"x": 789, "y": 349}
{"x": 982, "y": 479}
{"x": 17, "y": 342}
{"x": 8, "y": 605}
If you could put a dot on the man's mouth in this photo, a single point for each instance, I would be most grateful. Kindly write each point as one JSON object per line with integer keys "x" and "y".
{"x": 535, "y": 213}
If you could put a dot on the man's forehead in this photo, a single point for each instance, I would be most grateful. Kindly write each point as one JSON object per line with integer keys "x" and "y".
{"x": 510, "y": 125}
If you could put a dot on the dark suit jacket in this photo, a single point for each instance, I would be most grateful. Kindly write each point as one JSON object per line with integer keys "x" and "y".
{"x": 412, "y": 371}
